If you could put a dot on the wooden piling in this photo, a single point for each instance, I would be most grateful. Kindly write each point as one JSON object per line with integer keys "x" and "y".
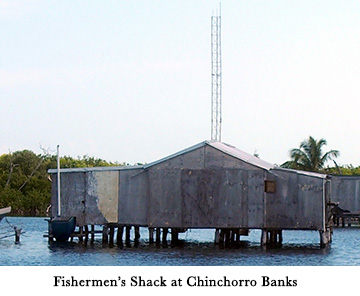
{"x": 217, "y": 236}
{"x": 280, "y": 237}
{"x": 105, "y": 237}
{"x": 222, "y": 236}
{"x": 151, "y": 235}
{"x": 137, "y": 234}
{"x": 127, "y": 235}
{"x": 232, "y": 235}
{"x": 174, "y": 236}
{"x": 111, "y": 234}
{"x": 86, "y": 233}
{"x": 264, "y": 237}
{"x": 119, "y": 236}
{"x": 158, "y": 232}
{"x": 164, "y": 235}
{"x": 17, "y": 235}
{"x": 92, "y": 238}
{"x": 325, "y": 237}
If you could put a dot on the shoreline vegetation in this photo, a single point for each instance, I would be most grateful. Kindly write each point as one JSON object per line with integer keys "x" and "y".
{"x": 25, "y": 184}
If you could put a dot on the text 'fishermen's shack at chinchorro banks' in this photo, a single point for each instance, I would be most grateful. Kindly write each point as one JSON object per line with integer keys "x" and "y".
{"x": 209, "y": 185}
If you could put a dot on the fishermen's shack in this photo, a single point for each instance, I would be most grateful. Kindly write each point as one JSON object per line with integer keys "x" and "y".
{"x": 208, "y": 185}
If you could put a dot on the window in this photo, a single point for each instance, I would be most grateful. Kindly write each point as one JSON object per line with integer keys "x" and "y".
{"x": 270, "y": 186}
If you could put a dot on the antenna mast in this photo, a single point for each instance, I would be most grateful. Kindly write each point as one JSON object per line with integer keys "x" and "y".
{"x": 216, "y": 77}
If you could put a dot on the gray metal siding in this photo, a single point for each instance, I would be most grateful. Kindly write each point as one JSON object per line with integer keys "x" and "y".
{"x": 297, "y": 203}
{"x": 164, "y": 201}
{"x": 346, "y": 191}
{"x": 206, "y": 198}
{"x": 73, "y": 190}
{"x": 133, "y": 197}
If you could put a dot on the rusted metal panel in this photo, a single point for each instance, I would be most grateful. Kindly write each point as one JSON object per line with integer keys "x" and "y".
{"x": 101, "y": 202}
{"x": 92, "y": 197}
{"x": 346, "y": 191}
{"x": 133, "y": 197}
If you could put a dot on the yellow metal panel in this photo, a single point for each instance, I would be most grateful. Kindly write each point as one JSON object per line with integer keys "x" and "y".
{"x": 108, "y": 192}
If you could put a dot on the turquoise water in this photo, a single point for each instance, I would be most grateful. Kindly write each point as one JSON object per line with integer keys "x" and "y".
{"x": 300, "y": 248}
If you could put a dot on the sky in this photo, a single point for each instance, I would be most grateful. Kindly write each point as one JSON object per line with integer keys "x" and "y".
{"x": 130, "y": 81}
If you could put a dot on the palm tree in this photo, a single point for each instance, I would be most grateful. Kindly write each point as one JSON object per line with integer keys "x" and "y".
{"x": 309, "y": 156}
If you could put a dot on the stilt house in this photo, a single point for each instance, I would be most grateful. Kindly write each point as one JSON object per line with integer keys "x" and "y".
{"x": 208, "y": 185}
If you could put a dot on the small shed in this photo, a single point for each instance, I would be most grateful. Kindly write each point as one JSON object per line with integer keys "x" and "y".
{"x": 208, "y": 185}
{"x": 345, "y": 190}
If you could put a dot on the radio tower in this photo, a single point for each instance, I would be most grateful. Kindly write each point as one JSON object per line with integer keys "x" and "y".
{"x": 216, "y": 77}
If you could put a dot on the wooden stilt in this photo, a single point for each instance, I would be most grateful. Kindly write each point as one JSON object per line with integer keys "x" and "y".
{"x": 17, "y": 235}
{"x": 164, "y": 235}
{"x": 137, "y": 233}
{"x": 280, "y": 237}
{"x": 222, "y": 236}
{"x": 127, "y": 235}
{"x": 151, "y": 235}
{"x": 86, "y": 233}
{"x": 217, "y": 236}
{"x": 174, "y": 236}
{"x": 272, "y": 237}
{"x": 158, "y": 230}
{"x": 81, "y": 234}
{"x": 232, "y": 235}
{"x": 325, "y": 237}
{"x": 105, "y": 236}
{"x": 264, "y": 237}
{"x": 92, "y": 238}
{"x": 111, "y": 234}
{"x": 119, "y": 236}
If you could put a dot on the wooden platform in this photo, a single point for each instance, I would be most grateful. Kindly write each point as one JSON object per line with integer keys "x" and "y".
{"x": 349, "y": 219}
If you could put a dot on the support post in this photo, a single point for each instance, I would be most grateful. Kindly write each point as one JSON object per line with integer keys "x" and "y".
{"x": 151, "y": 235}
{"x": 86, "y": 228}
{"x": 217, "y": 236}
{"x": 17, "y": 235}
{"x": 105, "y": 237}
{"x": 158, "y": 235}
{"x": 280, "y": 237}
{"x": 164, "y": 235}
{"x": 81, "y": 233}
{"x": 222, "y": 236}
{"x": 119, "y": 237}
{"x": 174, "y": 235}
{"x": 92, "y": 238}
{"x": 127, "y": 235}
{"x": 325, "y": 237}
{"x": 111, "y": 234}
{"x": 264, "y": 237}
